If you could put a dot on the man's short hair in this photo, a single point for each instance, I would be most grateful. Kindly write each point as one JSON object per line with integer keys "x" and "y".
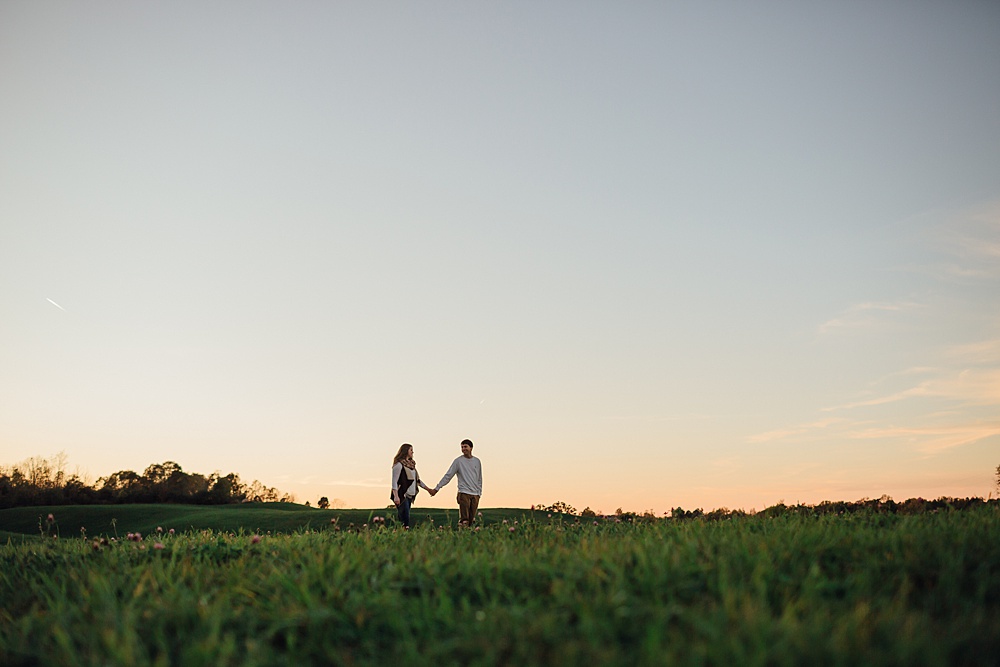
{"x": 467, "y": 442}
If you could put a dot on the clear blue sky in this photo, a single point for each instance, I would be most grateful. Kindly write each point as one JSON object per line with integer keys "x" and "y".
{"x": 643, "y": 255}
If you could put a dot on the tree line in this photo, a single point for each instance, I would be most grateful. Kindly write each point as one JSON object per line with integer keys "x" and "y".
{"x": 883, "y": 505}
{"x": 41, "y": 481}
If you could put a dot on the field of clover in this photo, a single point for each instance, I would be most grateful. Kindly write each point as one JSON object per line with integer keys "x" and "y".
{"x": 860, "y": 589}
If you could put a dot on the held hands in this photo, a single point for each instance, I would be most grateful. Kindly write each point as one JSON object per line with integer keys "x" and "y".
{"x": 433, "y": 492}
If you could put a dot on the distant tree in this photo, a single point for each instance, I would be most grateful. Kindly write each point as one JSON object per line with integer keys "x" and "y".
{"x": 182, "y": 487}
{"x": 323, "y": 503}
{"x": 257, "y": 492}
{"x": 123, "y": 486}
{"x": 41, "y": 481}
{"x": 558, "y": 506}
{"x": 164, "y": 482}
{"x": 228, "y": 489}
{"x": 681, "y": 513}
{"x": 6, "y": 490}
{"x": 77, "y": 492}
{"x": 587, "y": 512}
{"x": 998, "y": 479}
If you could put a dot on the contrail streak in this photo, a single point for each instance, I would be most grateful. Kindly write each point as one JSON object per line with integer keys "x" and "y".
{"x": 55, "y": 304}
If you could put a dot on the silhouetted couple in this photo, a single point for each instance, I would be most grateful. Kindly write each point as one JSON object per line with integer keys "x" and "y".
{"x": 406, "y": 482}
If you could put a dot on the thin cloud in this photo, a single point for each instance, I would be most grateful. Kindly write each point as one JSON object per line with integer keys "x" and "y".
{"x": 785, "y": 433}
{"x": 777, "y": 434}
{"x": 983, "y": 352}
{"x": 977, "y": 235}
{"x": 371, "y": 482}
{"x": 972, "y": 243}
{"x": 933, "y": 439}
{"x": 922, "y": 389}
{"x": 664, "y": 418}
{"x": 929, "y": 439}
{"x": 969, "y": 386}
{"x": 865, "y": 315}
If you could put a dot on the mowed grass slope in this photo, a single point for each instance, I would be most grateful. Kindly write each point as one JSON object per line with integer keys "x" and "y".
{"x": 119, "y": 520}
{"x": 864, "y": 589}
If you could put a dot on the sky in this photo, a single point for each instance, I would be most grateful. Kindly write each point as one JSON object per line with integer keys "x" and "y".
{"x": 644, "y": 255}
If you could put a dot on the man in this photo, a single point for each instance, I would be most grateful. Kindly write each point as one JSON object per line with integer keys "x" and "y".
{"x": 470, "y": 483}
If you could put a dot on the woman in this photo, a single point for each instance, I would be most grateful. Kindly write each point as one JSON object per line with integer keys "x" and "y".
{"x": 405, "y": 481}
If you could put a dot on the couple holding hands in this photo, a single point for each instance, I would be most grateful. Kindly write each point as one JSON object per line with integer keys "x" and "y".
{"x": 406, "y": 480}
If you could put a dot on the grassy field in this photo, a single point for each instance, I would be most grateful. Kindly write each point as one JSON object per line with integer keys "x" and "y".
{"x": 866, "y": 589}
{"x": 118, "y": 520}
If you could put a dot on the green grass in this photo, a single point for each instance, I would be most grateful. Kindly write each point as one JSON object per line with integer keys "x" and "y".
{"x": 119, "y": 520}
{"x": 858, "y": 590}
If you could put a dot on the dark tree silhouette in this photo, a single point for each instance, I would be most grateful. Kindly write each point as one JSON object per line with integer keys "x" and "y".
{"x": 39, "y": 481}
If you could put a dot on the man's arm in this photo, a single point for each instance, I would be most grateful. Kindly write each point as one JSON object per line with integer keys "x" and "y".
{"x": 448, "y": 475}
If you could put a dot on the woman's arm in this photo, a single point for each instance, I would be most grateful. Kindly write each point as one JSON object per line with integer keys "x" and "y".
{"x": 396, "y": 469}
{"x": 423, "y": 486}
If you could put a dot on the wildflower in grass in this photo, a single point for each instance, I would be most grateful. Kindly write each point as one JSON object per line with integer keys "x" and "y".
{"x": 511, "y": 529}
{"x": 50, "y": 518}
{"x": 159, "y": 530}
{"x": 158, "y": 546}
{"x": 171, "y": 531}
{"x": 96, "y": 545}
{"x": 255, "y": 539}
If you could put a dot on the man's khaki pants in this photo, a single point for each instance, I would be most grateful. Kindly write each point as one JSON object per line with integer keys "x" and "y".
{"x": 467, "y": 506}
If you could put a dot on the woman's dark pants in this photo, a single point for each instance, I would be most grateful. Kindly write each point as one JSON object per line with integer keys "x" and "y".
{"x": 403, "y": 510}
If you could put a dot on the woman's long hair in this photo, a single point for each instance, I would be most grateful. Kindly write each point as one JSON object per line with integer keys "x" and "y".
{"x": 403, "y": 453}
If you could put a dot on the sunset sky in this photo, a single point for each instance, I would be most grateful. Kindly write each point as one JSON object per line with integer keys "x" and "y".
{"x": 645, "y": 254}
